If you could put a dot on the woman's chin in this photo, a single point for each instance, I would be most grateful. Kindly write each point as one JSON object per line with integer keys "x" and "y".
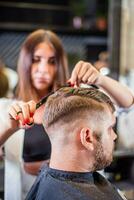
{"x": 43, "y": 90}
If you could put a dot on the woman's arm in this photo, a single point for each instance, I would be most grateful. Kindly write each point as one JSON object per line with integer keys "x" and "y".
{"x": 5, "y": 135}
{"x": 119, "y": 92}
{"x": 6, "y": 128}
{"x": 84, "y": 72}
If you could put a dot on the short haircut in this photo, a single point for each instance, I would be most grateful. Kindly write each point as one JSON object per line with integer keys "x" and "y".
{"x": 68, "y": 103}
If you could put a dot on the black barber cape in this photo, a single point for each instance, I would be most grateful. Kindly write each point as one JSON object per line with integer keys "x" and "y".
{"x": 52, "y": 184}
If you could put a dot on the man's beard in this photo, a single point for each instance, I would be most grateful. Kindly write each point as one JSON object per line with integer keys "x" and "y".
{"x": 101, "y": 161}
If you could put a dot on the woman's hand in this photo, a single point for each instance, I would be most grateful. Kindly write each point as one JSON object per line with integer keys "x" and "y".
{"x": 21, "y": 114}
{"x": 85, "y": 72}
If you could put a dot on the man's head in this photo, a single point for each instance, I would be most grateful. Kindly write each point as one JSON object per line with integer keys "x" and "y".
{"x": 80, "y": 121}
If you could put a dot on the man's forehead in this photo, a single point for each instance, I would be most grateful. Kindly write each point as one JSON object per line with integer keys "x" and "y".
{"x": 112, "y": 117}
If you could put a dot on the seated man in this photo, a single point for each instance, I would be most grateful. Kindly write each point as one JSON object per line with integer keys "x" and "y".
{"x": 79, "y": 123}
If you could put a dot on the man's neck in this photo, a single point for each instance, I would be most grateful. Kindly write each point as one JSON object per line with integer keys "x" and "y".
{"x": 69, "y": 162}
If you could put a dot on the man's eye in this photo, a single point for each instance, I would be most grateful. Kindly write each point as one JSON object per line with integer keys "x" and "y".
{"x": 114, "y": 128}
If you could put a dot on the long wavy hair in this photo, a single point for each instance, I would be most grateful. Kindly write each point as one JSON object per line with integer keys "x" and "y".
{"x": 25, "y": 90}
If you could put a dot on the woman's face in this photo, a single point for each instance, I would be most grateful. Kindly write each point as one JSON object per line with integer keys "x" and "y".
{"x": 44, "y": 68}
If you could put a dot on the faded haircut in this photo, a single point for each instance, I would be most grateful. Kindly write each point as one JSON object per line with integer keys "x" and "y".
{"x": 67, "y": 103}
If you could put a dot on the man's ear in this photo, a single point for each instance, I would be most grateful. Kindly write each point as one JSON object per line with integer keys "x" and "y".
{"x": 86, "y": 137}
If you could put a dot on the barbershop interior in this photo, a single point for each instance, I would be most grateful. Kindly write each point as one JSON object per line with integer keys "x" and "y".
{"x": 99, "y": 32}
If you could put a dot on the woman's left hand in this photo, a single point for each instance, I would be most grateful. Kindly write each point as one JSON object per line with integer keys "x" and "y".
{"x": 85, "y": 72}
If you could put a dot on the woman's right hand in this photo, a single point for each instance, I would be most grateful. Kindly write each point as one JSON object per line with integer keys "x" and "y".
{"x": 21, "y": 114}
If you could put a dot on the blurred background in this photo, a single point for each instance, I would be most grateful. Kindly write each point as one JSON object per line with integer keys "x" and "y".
{"x": 98, "y": 31}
